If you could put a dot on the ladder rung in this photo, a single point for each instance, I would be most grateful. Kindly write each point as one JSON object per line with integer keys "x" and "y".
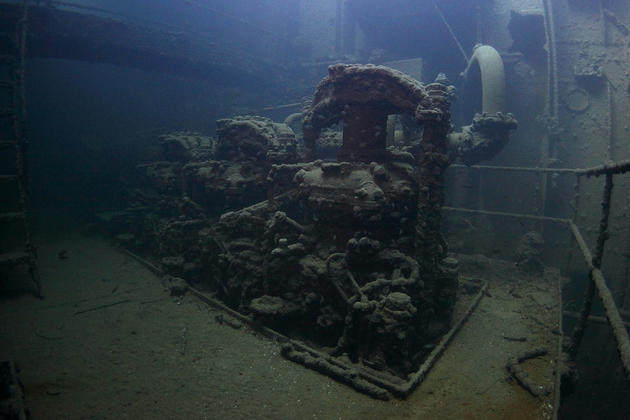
{"x": 8, "y": 178}
{"x": 14, "y": 258}
{"x": 6, "y": 111}
{"x": 7, "y": 85}
{"x": 8, "y": 58}
{"x": 10, "y": 216}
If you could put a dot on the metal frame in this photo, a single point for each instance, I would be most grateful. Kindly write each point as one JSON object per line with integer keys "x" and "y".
{"x": 593, "y": 262}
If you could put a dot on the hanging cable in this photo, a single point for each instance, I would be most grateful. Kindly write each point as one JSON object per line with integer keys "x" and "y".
{"x": 450, "y": 30}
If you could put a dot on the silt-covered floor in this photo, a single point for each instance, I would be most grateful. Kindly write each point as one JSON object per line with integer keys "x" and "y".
{"x": 109, "y": 342}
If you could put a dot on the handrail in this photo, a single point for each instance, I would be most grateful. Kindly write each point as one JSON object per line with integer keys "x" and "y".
{"x": 593, "y": 263}
{"x": 612, "y": 312}
{"x": 613, "y": 168}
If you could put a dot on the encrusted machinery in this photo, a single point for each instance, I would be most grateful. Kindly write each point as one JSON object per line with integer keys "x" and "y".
{"x": 346, "y": 256}
{"x": 351, "y": 259}
{"x": 244, "y": 152}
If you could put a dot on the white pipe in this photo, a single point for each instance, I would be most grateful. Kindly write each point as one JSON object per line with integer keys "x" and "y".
{"x": 492, "y": 78}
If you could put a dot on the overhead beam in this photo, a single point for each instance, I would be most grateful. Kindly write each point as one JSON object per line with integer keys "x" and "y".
{"x": 63, "y": 34}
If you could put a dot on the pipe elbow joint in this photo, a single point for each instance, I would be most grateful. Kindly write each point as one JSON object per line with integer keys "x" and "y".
{"x": 483, "y": 139}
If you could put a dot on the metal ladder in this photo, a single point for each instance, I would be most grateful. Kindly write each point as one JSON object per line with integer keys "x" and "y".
{"x": 16, "y": 247}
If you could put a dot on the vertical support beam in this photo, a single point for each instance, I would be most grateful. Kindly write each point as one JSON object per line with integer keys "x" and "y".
{"x": 552, "y": 60}
{"x": 433, "y": 162}
{"x": 551, "y": 105}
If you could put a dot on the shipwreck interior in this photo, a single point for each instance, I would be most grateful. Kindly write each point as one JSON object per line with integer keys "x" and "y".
{"x": 423, "y": 203}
